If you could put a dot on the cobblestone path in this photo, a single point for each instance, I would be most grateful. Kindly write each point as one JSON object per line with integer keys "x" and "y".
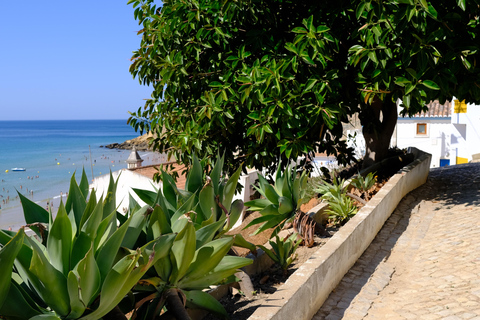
{"x": 425, "y": 262}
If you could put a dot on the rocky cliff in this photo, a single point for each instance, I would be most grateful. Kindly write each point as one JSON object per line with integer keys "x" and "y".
{"x": 141, "y": 143}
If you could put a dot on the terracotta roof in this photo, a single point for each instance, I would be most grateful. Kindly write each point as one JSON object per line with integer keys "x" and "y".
{"x": 436, "y": 110}
{"x": 149, "y": 171}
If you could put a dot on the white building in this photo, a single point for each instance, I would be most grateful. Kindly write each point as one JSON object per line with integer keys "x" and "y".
{"x": 450, "y": 132}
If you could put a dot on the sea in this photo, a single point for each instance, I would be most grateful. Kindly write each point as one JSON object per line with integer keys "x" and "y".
{"x": 51, "y": 152}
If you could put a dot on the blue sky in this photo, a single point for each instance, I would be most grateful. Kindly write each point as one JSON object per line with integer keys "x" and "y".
{"x": 68, "y": 60}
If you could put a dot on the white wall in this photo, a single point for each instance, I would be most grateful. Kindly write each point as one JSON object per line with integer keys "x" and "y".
{"x": 471, "y": 134}
{"x": 437, "y": 141}
{"x": 129, "y": 179}
{"x": 126, "y": 182}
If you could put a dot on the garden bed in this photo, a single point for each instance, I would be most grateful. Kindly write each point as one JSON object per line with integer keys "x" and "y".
{"x": 320, "y": 268}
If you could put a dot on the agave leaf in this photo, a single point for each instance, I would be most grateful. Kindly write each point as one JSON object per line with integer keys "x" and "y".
{"x": 207, "y": 203}
{"x": 287, "y": 182}
{"x": 51, "y": 284}
{"x": 280, "y": 248}
{"x": 262, "y": 183}
{"x": 230, "y": 188}
{"x": 194, "y": 176}
{"x": 138, "y": 221}
{"x": 240, "y": 241}
{"x": 270, "y": 210}
{"x": 91, "y": 204}
{"x": 84, "y": 184}
{"x": 77, "y": 306}
{"x": 23, "y": 258}
{"x": 59, "y": 241}
{"x": 257, "y": 204}
{"x": 149, "y": 197}
{"x": 7, "y": 257}
{"x": 159, "y": 223}
{"x": 235, "y": 212}
{"x": 106, "y": 253}
{"x": 132, "y": 204}
{"x": 126, "y": 273}
{"x": 186, "y": 206}
{"x": 285, "y": 205}
{"x": 110, "y": 203}
{"x": 34, "y": 213}
{"x": 18, "y": 305}
{"x": 91, "y": 225}
{"x": 208, "y": 256}
{"x": 89, "y": 277}
{"x": 216, "y": 173}
{"x": 269, "y": 253}
{"x": 169, "y": 189}
{"x": 105, "y": 229}
{"x": 279, "y": 181}
{"x": 227, "y": 267}
{"x": 180, "y": 224}
{"x": 258, "y": 221}
{"x": 164, "y": 268}
{"x": 203, "y": 300}
{"x": 183, "y": 250}
{"x": 114, "y": 281}
{"x": 76, "y": 202}
{"x": 206, "y": 233}
{"x": 272, "y": 222}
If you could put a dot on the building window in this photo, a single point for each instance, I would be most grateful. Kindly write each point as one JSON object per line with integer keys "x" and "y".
{"x": 422, "y": 129}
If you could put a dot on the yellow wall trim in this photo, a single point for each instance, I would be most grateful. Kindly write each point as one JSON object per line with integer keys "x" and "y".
{"x": 461, "y": 160}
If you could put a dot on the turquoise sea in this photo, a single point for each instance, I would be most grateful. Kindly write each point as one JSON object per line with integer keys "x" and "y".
{"x": 50, "y": 152}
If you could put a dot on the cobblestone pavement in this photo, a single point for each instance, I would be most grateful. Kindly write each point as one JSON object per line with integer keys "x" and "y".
{"x": 425, "y": 262}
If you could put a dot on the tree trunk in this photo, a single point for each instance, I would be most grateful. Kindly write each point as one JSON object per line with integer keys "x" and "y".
{"x": 175, "y": 305}
{"x": 378, "y": 120}
{"x": 115, "y": 314}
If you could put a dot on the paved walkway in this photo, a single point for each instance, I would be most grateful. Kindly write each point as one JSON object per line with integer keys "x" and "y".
{"x": 425, "y": 262}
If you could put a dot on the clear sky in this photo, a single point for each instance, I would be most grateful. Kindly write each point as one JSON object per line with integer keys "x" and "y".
{"x": 68, "y": 60}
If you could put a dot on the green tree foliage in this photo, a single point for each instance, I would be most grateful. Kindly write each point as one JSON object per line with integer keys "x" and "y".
{"x": 272, "y": 79}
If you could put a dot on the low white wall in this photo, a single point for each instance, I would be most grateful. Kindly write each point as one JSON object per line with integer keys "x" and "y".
{"x": 128, "y": 180}
{"x": 308, "y": 288}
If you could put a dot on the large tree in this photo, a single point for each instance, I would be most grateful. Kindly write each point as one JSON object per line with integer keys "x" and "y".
{"x": 268, "y": 80}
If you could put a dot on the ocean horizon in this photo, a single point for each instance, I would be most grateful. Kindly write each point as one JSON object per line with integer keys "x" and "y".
{"x": 51, "y": 151}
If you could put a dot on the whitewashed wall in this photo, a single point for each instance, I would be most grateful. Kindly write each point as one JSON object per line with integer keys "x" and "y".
{"x": 437, "y": 142}
{"x": 126, "y": 182}
{"x": 129, "y": 179}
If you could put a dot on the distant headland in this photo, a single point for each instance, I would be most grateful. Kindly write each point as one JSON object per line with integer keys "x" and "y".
{"x": 141, "y": 143}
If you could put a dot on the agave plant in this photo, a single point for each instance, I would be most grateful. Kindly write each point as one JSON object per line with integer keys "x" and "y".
{"x": 76, "y": 271}
{"x": 341, "y": 206}
{"x": 201, "y": 214}
{"x": 280, "y": 202}
{"x": 363, "y": 184}
{"x": 196, "y": 262}
{"x": 283, "y": 250}
{"x": 206, "y": 200}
